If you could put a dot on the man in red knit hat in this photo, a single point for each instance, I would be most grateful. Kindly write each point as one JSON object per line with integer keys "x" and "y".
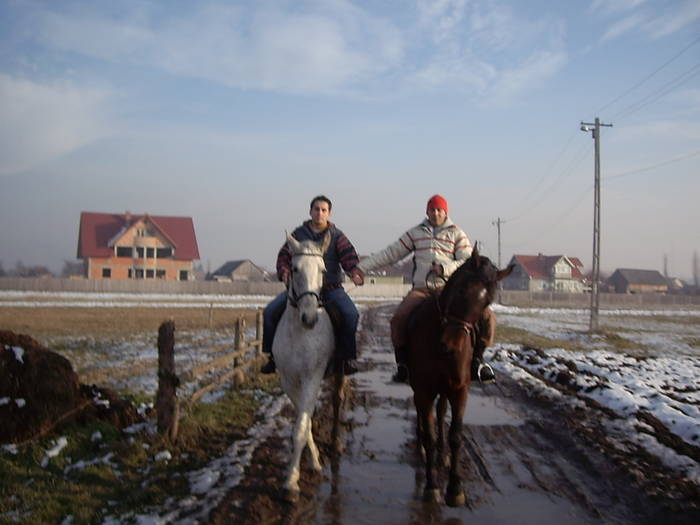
{"x": 439, "y": 247}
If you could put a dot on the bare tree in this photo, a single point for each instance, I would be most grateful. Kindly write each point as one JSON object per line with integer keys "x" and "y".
{"x": 73, "y": 268}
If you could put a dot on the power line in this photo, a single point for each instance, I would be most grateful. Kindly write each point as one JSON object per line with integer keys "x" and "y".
{"x": 661, "y": 91}
{"x": 650, "y": 75}
{"x": 654, "y": 166}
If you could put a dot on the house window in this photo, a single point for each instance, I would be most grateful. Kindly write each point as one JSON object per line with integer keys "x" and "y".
{"x": 160, "y": 274}
{"x": 150, "y": 252}
{"x": 139, "y": 252}
{"x": 150, "y": 274}
{"x": 138, "y": 273}
{"x": 106, "y": 273}
{"x": 162, "y": 253}
{"x": 184, "y": 275}
{"x": 124, "y": 251}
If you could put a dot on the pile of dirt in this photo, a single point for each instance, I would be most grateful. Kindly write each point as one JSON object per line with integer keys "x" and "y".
{"x": 39, "y": 390}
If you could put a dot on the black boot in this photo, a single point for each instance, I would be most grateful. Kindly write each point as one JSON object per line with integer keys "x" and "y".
{"x": 269, "y": 367}
{"x": 349, "y": 367}
{"x": 481, "y": 370}
{"x": 401, "y": 375}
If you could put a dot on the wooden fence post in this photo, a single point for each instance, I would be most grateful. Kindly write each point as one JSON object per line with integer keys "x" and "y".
{"x": 239, "y": 341}
{"x": 166, "y": 398}
{"x": 211, "y": 315}
{"x": 259, "y": 330}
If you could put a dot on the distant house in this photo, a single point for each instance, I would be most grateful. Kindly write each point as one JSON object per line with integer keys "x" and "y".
{"x": 537, "y": 273}
{"x": 243, "y": 270}
{"x": 125, "y": 246}
{"x": 627, "y": 280}
{"x": 397, "y": 273}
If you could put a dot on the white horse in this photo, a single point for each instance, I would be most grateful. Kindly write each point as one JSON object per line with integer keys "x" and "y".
{"x": 302, "y": 348}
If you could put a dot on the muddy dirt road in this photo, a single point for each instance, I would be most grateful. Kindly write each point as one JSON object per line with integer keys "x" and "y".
{"x": 525, "y": 463}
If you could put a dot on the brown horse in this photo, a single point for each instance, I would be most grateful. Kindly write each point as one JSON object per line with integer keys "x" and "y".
{"x": 440, "y": 350}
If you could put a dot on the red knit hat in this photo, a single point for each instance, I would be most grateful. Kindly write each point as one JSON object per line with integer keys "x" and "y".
{"x": 437, "y": 201}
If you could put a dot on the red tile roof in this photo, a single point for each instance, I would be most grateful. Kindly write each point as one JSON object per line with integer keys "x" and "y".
{"x": 540, "y": 266}
{"x": 98, "y": 229}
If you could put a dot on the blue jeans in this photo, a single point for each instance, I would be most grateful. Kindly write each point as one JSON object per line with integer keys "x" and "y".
{"x": 337, "y": 300}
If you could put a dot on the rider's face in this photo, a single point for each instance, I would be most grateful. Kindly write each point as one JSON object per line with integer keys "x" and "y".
{"x": 437, "y": 216}
{"x": 319, "y": 214}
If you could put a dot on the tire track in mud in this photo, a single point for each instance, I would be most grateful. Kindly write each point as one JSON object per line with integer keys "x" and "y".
{"x": 525, "y": 461}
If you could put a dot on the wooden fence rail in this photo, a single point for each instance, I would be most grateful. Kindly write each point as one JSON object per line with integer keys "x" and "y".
{"x": 246, "y": 356}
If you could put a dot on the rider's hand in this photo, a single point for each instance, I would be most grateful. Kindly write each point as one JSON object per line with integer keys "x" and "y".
{"x": 357, "y": 277}
{"x": 437, "y": 270}
{"x": 284, "y": 277}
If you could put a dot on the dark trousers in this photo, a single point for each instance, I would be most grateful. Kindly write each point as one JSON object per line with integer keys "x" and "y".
{"x": 337, "y": 300}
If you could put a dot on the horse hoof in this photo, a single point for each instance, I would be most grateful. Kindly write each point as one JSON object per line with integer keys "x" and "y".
{"x": 455, "y": 499}
{"x": 289, "y": 495}
{"x": 431, "y": 495}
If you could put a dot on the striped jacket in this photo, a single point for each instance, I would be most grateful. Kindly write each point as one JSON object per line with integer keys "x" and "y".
{"x": 340, "y": 255}
{"x": 446, "y": 245}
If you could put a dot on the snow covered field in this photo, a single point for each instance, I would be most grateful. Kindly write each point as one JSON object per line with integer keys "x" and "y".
{"x": 657, "y": 373}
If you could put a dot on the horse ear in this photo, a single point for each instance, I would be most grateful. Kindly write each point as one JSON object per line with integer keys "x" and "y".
{"x": 473, "y": 261}
{"x": 326, "y": 242}
{"x": 293, "y": 244}
{"x": 502, "y": 274}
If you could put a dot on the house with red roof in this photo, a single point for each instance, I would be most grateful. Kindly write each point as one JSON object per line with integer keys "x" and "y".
{"x": 126, "y": 246}
{"x": 551, "y": 273}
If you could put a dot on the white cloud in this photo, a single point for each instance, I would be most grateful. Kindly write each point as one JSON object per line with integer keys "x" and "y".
{"x": 531, "y": 72}
{"x": 670, "y": 22}
{"x": 42, "y": 121}
{"x": 615, "y": 6}
{"x": 268, "y": 48}
{"x": 653, "y": 20}
{"x": 623, "y": 26}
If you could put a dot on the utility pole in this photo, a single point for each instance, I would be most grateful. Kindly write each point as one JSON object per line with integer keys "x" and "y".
{"x": 595, "y": 298}
{"x": 498, "y": 223}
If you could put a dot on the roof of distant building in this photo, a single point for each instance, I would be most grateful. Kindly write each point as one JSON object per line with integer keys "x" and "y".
{"x": 539, "y": 266}
{"x": 98, "y": 231}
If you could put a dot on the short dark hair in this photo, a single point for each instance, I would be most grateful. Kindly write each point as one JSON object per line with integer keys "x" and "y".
{"x": 321, "y": 198}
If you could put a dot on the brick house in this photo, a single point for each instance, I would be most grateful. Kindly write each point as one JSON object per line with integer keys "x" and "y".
{"x": 539, "y": 273}
{"x": 125, "y": 246}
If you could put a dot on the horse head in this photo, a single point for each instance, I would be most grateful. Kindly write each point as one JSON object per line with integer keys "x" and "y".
{"x": 306, "y": 280}
{"x": 470, "y": 289}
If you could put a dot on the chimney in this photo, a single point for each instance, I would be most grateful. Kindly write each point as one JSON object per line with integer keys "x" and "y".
{"x": 127, "y": 218}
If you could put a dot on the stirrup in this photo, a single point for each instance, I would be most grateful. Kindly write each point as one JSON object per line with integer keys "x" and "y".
{"x": 485, "y": 374}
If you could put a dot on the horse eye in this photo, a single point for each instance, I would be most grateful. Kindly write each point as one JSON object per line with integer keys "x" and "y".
{"x": 295, "y": 268}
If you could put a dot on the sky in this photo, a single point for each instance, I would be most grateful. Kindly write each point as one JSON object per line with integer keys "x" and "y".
{"x": 237, "y": 113}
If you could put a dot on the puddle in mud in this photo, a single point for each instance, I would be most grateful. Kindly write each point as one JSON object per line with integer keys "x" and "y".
{"x": 375, "y": 480}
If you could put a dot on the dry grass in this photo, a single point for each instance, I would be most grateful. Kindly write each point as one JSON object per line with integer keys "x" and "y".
{"x": 100, "y": 322}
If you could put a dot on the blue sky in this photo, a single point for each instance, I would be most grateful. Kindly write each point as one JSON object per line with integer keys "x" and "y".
{"x": 237, "y": 113}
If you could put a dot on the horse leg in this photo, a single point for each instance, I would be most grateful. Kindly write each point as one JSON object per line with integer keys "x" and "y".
{"x": 339, "y": 383}
{"x": 441, "y": 445}
{"x": 454, "y": 496}
{"x": 300, "y": 439}
{"x": 311, "y": 443}
{"x": 424, "y": 409}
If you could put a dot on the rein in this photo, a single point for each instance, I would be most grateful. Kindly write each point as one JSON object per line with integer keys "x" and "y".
{"x": 292, "y": 296}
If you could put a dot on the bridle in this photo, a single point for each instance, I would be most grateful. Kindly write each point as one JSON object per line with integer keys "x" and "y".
{"x": 292, "y": 295}
{"x": 448, "y": 319}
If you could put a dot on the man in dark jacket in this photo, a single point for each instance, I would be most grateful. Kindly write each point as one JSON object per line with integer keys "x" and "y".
{"x": 340, "y": 256}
